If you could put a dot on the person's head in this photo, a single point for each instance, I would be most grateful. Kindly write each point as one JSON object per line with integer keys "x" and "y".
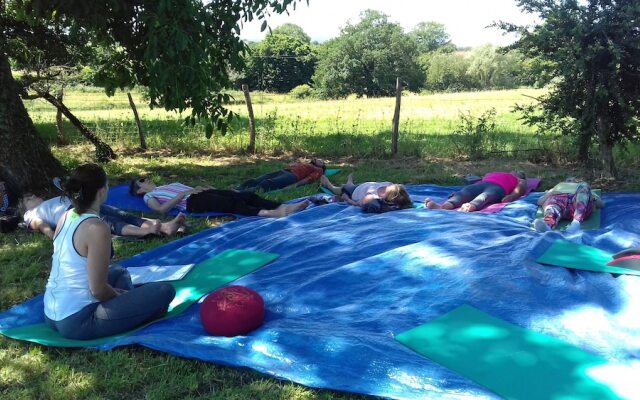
{"x": 140, "y": 186}
{"x": 28, "y": 201}
{"x": 318, "y": 163}
{"x": 398, "y": 195}
{"x": 85, "y": 186}
{"x": 519, "y": 174}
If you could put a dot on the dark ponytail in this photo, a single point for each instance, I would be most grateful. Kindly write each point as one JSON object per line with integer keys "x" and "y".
{"x": 82, "y": 185}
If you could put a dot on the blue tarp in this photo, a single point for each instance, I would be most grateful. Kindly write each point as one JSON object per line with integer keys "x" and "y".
{"x": 347, "y": 282}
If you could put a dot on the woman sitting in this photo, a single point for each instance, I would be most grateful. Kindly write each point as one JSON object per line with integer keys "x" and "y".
{"x": 207, "y": 199}
{"x": 85, "y": 298}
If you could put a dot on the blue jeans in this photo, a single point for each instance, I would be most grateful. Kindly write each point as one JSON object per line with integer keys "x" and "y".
{"x": 479, "y": 194}
{"x": 120, "y": 314}
{"x": 117, "y": 219}
{"x": 267, "y": 182}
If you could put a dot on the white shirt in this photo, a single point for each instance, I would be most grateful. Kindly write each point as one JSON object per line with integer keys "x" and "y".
{"x": 48, "y": 211}
{"x": 366, "y": 188}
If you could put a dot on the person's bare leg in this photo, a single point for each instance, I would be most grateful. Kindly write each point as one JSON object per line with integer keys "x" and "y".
{"x": 284, "y": 209}
{"x": 132, "y": 230}
{"x": 350, "y": 179}
{"x": 153, "y": 225}
{"x": 325, "y": 182}
{"x": 171, "y": 227}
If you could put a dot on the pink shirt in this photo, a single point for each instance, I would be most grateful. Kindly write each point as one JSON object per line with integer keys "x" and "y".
{"x": 506, "y": 180}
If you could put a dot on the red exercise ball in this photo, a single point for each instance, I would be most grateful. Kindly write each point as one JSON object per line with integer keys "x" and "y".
{"x": 232, "y": 311}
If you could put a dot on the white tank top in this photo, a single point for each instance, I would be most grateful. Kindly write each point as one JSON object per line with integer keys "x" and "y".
{"x": 366, "y": 188}
{"x": 68, "y": 285}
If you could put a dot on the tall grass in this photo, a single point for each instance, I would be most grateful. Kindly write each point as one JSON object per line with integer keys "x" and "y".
{"x": 349, "y": 127}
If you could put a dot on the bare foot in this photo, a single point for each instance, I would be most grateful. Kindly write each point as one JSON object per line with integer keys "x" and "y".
{"x": 171, "y": 227}
{"x": 431, "y": 204}
{"x": 350, "y": 179}
{"x": 326, "y": 183}
{"x": 285, "y": 209}
{"x": 468, "y": 207}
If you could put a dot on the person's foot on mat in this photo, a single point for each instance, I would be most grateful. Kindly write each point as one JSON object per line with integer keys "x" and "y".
{"x": 431, "y": 204}
{"x": 541, "y": 226}
{"x": 468, "y": 207}
{"x": 172, "y": 227}
{"x": 573, "y": 227}
{"x": 285, "y": 209}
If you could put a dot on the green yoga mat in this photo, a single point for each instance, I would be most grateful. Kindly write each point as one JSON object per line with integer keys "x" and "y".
{"x": 593, "y": 222}
{"x": 202, "y": 279}
{"x": 511, "y": 361}
{"x": 579, "y": 256}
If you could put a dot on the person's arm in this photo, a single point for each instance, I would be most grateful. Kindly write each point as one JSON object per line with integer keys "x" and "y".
{"x": 517, "y": 192}
{"x": 98, "y": 241}
{"x": 301, "y": 182}
{"x": 163, "y": 208}
{"x": 39, "y": 225}
{"x": 362, "y": 201}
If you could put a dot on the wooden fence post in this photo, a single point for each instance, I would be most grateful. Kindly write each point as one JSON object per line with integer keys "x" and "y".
{"x": 143, "y": 142}
{"x": 252, "y": 127}
{"x": 396, "y": 118}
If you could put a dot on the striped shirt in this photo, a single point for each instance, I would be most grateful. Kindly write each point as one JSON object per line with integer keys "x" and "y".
{"x": 164, "y": 193}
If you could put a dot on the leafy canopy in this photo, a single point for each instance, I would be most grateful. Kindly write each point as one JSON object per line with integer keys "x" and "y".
{"x": 282, "y": 61}
{"x": 591, "y": 50}
{"x": 181, "y": 50}
{"x": 366, "y": 59}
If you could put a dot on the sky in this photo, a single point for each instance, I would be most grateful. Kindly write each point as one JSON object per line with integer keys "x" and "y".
{"x": 465, "y": 20}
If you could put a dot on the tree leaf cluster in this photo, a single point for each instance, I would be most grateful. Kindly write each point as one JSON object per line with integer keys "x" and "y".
{"x": 591, "y": 51}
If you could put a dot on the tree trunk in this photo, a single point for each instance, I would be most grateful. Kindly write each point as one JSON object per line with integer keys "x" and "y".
{"x": 104, "y": 151}
{"x": 24, "y": 157}
{"x": 252, "y": 125}
{"x": 62, "y": 140}
{"x": 606, "y": 149}
{"x": 143, "y": 142}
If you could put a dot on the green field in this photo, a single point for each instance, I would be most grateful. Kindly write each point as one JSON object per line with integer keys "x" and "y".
{"x": 349, "y": 127}
{"x": 352, "y": 134}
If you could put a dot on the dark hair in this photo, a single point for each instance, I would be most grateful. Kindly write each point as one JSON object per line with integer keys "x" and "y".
{"x": 82, "y": 185}
{"x": 521, "y": 174}
{"x": 324, "y": 165}
{"x": 134, "y": 186}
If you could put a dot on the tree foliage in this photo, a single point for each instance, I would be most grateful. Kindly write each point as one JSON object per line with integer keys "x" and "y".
{"x": 446, "y": 71}
{"x": 366, "y": 59}
{"x": 180, "y": 49}
{"x": 431, "y": 36}
{"x": 282, "y": 61}
{"x": 591, "y": 49}
{"x": 292, "y": 30}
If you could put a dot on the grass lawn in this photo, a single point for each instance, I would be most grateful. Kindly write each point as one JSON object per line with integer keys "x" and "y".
{"x": 351, "y": 135}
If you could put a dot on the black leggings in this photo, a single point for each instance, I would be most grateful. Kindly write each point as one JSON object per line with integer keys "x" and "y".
{"x": 229, "y": 201}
